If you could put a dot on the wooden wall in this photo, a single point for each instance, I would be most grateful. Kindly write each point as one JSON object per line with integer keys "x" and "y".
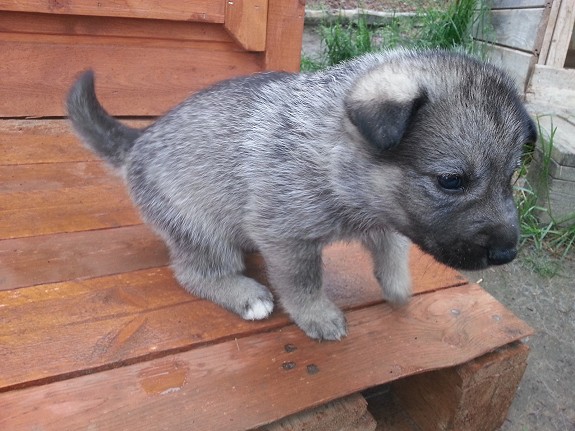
{"x": 518, "y": 28}
{"x": 148, "y": 55}
{"x": 552, "y": 84}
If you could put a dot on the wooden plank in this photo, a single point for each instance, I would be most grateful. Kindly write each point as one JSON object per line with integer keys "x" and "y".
{"x": 284, "y": 35}
{"x": 176, "y": 10}
{"x": 29, "y": 142}
{"x": 74, "y": 25}
{"x": 51, "y": 176}
{"x": 517, "y": 64}
{"x": 94, "y": 323}
{"x": 515, "y": 28}
{"x": 435, "y": 330}
{"x": 561, "y": 34}
{"x": 517, "y": 4}
{"x": 143, "y": 85}
{"x": 64, "y": 257}
{"x": 24, "y": 214}
{"x": 474, "y": 396}
{"x": 552, "y": 89}
{"x": 246, "y": 20}
{"x": 20, "y": 148}
{"x": 548, "y": 32}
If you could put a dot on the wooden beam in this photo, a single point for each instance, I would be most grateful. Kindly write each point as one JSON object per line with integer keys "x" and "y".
{"x": 558, "y": 33}
{"x": 284, "y": 35}
{"x": 77, "y": 255}
{"x": 474, "y": 396}
{"x": 246, "y": 21}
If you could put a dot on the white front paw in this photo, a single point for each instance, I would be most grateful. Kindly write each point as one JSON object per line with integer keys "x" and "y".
{"x": 258, "y": 309}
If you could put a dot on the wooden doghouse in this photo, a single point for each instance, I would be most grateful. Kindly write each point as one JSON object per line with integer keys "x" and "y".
{"x": 534, "y": 41}
{"x": 95, "y": 334}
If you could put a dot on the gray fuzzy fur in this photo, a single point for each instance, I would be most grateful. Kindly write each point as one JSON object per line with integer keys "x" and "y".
{"x": 287, "y": 163}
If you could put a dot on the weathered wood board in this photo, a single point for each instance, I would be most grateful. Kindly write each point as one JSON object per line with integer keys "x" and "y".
{"x": 507, "y": 31}
{"x": 552, "y": 90}
{"x": 558, "y": 33}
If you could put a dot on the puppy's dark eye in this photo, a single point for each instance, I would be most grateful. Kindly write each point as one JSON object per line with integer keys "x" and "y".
{"x": 450, "y": 181}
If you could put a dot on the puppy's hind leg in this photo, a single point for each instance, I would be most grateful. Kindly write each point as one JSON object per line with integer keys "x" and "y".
{"x": 295, "y": 271}
{"x": 390, "y": 253}
{"x": 213, "y": 271}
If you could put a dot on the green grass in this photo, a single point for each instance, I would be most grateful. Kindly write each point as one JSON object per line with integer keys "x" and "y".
{"x": 454, "y": 27}
{"x": 546, "y": 244}
{"x": 450, "y": 27}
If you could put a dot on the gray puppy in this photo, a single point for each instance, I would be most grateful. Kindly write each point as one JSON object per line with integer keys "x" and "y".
{"x": 385, "y": 148}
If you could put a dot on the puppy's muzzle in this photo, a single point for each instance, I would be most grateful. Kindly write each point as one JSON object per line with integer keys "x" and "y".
{"x": 502, "y": 246}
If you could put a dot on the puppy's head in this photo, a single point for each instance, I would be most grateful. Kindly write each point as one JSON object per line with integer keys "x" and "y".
{"x": 443, "y": 134}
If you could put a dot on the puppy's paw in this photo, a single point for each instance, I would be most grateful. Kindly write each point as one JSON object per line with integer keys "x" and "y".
{"x": 258, "y": 308}
{"x": 322, "y": 321}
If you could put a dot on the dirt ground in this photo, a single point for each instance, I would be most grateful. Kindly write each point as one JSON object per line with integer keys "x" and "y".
{"x": 545, "y": 400}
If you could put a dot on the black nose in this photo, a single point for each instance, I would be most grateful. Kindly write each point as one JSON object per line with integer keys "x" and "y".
{"x": 500, "y": 256}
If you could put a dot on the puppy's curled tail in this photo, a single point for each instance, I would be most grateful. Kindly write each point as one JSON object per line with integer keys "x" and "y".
{"x": 103, "y": 134}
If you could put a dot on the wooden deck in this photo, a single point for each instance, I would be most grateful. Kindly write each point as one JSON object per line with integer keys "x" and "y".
{"x": 96, "y": 334}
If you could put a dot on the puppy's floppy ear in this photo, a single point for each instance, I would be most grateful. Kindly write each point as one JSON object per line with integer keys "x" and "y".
{"x": 382, "y": 105}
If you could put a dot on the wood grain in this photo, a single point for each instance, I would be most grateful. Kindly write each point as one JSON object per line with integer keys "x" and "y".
{"x": 284, "y": 35}
{"x": 436, "y": 330}
{"x": 28, "y": 142}
{"x": 52, "y": 176}
{"x": 26, "y": 214}
{"x": 64, "y": 257}
{"x": 47, "y": 24}
{"x": 474, "y": 396}
{"x": 93, "y": 311}
{"x": 344, "y": 414}
{"x": 21, "y": 148}
{"x": 246, "y": 21}
{"x": 178, "y": 10}
{"x": 561, "y": 34}
{"x": 515, "y": 28}
{"x": 552, "y": 91}
{"x": 131, "y": 78}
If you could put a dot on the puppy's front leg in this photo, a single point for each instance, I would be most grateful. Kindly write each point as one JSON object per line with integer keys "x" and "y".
{"x": 390, "y": 252}
{"x": 295, "y": 271}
